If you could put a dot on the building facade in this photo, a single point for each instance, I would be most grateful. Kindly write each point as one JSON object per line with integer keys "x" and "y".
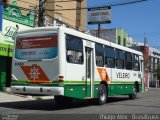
{"x": 115, "y": 35}
{"x": 12, "y": 21}
{"x": 67, "y": 11}
{"x": 60, "y": 10}
{"x": 2, "y": 84}
{"x": 145, "y": 51}
{"x": 152, "y": 62}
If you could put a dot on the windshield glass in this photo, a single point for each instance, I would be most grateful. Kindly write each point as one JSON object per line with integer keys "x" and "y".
{"x": 36, "y": 48}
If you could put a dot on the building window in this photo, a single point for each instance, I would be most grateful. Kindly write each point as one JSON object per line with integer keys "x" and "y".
{"x": 124, "y": 42}
{"x": 155, "y": 64}
{"x": 119, "y": 40}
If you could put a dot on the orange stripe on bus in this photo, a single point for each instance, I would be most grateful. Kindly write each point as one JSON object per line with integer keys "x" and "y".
{"x": 103, "y": 74}
{"x": 35, "y": 74}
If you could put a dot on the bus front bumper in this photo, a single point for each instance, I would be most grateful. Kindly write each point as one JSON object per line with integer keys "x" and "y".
{"x": 37, "y": 90}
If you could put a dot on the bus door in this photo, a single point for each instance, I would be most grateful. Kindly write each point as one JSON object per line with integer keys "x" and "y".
{"x": 142, "y": 73}
{"x": 89, "y": 83}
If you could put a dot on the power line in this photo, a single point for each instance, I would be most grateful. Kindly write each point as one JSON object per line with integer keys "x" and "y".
{"x": 149, "y": 34}
{"x": 90, "y": 7}
{"x": 61, "y": 1}
{"x": 126, "y": 3}
{"x": 112, "y": 5}
{"x": 61, "y": 21}
{"x": 87, "y": 8}
{"x": 81, "y": 25}
{"x": 22, "y": 8}
{"x": 26, "y": 2}
{"x": 115, "y": 3}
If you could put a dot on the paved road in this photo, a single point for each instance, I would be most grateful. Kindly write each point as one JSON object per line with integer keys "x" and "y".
{"x": 147, "y": 102}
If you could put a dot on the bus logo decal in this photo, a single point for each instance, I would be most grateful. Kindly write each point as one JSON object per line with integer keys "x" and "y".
{"x": 103, "y": 74}
{"x": 35, "y": 73}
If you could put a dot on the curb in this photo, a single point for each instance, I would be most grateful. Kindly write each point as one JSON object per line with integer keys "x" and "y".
{"x": 10, "y": 93}
{"x": 43, "y": 97}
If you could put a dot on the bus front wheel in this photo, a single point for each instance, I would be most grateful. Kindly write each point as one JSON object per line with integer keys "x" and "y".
{"x": 102, "y": 94}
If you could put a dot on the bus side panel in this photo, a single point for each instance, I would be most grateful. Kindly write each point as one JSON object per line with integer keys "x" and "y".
{"x": 75, "y": 81}
{"x": 123, "y": 81}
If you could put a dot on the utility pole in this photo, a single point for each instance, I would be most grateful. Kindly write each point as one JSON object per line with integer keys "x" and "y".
{"x": 41, "y": 16}
{"x": 145, "y": 64}
{"x": 99, "y": 30}
{"x": 78, "y": 14}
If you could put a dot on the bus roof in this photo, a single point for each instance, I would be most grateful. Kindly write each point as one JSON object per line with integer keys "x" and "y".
{"x": 81, "y": 35}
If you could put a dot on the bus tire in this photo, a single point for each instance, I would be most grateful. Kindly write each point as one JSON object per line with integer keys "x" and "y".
{"x": 134, "y": 94}
{"x": 102, "y": 94}
{"x": 62, "y": 100}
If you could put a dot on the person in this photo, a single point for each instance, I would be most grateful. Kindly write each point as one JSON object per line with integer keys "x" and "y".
{"x": 69, "y": 58}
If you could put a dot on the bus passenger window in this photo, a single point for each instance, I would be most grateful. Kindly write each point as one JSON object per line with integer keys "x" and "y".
{"x": 74, "y": 57}
{"x": 99, "y": 55}
{"x": 135, "y": 62}
{"x": 128, "y": 62}
{"x": 69, "y": 58}
{"x": 109, "y": 57}
{"x": 74, "y": 49}
{"x": 119, "y": 59}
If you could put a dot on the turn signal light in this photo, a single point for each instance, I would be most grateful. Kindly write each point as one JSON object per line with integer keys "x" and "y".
{"x": 61, "y": 78}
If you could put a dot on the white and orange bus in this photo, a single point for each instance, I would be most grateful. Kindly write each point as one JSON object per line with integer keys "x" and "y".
{"x": 70, "y": 64}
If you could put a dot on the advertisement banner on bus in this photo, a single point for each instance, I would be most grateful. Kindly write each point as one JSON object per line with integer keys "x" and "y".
{"x": 35, "y": 48}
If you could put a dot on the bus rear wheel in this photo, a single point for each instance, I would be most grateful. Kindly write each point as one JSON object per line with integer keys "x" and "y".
{"x": 134, "y": 94}
{"x": 62, "y": 100}
{"x": 102, "y": 94}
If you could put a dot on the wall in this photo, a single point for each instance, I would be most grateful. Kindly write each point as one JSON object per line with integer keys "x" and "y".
{"x": 67, "y": 16}
{"x": 154, "y": 55}
{"x": 13, "y": 20}
{"x": 113, "y": 35}
{"x": 123, "y": 37}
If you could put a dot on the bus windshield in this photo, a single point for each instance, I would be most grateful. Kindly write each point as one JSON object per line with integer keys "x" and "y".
{"x": 36, "y": 47}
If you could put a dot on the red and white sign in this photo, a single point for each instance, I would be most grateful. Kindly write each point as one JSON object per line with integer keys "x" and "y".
{"x": 36, "y": 42}
{"x": 37, "y": 47}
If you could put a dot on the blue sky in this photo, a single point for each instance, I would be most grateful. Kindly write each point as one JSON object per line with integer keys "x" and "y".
{"x": 138, "y": 20}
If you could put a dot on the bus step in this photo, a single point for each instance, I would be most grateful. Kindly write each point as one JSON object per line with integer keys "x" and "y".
{"x": 88, "y": 97}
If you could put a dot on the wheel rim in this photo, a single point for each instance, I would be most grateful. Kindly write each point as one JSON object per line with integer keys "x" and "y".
{"x": 102, "y": 95}
{"x": 135, "y": 90}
